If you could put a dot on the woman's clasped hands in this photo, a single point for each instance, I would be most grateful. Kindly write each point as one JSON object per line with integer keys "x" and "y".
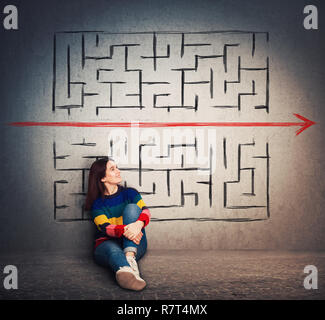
{"x": 133, "y": 231}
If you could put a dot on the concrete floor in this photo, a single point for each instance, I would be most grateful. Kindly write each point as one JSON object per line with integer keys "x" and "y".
{"x": 190, "y": 275}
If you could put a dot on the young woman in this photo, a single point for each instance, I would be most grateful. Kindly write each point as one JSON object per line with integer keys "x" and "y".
{"x": 120, "y": 216}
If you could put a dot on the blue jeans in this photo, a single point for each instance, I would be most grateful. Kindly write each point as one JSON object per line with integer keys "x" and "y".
{"x": 111, "y": 253}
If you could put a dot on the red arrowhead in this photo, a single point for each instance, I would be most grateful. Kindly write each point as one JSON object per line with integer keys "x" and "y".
{"x": 304, "y": 125}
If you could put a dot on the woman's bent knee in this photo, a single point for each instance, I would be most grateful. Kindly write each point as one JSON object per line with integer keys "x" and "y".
{"x": 131, "y": 211}
{"x": 132, "y": 206}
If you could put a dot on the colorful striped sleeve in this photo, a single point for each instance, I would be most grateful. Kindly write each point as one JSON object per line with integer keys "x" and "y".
{"x": 135, "y": 197}
{"x": 103, "y": 223}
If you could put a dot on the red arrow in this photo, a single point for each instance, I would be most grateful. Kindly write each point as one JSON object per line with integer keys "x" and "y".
{"x": 304, "y": 125}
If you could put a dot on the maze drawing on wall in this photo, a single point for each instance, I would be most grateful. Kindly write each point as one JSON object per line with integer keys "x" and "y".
{"x": 101, "y": 75}
{"x": 232, "y": 184}
{"x": 195, "y": 173}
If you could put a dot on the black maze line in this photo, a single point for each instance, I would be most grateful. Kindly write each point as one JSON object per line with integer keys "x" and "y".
{"x": 68, "y": 71}
{"x": 166, "y": 32}
{"x": 54, "y": 74}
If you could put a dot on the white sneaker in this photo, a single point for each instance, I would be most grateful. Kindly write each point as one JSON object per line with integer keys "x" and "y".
{"x": 133, "y": 264}
{"x": 128, "y": 279}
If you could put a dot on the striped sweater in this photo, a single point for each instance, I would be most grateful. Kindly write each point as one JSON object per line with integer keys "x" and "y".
{"x": 107, "y": 213}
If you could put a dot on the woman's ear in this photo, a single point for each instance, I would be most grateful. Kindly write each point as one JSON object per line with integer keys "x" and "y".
{"x": 102, "y": 179}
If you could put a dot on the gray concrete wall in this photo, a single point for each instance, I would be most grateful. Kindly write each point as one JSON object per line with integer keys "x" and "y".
{"x": 198, "y": 196}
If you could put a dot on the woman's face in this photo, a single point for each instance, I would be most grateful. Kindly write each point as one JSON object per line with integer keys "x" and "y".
{"x": 113, "y": 175}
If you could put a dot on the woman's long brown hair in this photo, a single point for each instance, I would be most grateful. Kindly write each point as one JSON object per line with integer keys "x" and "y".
{"x": 95, "y": 186}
